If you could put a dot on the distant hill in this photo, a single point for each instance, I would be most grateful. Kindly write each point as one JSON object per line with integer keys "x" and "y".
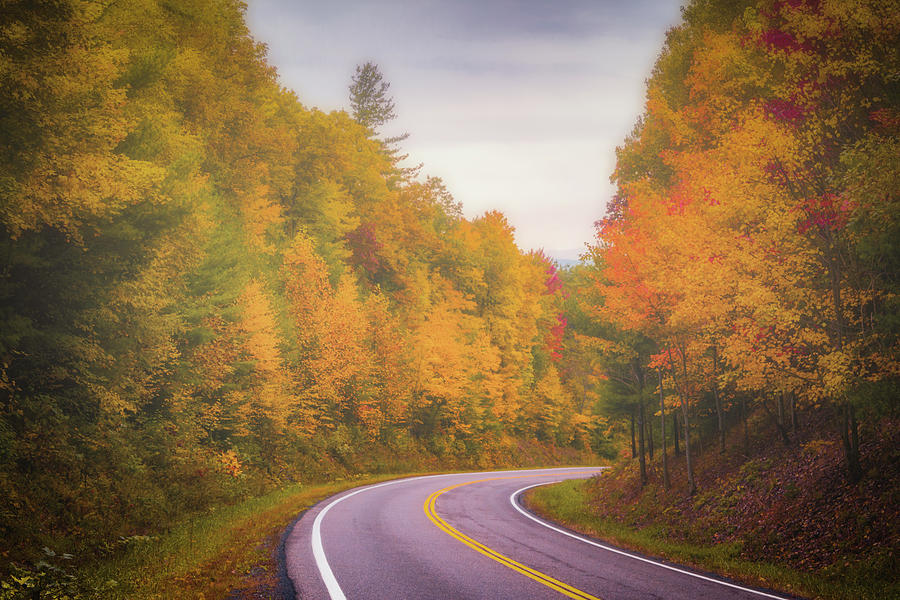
{"x": 565, "y": 263}
{"x": 564, "y": 257}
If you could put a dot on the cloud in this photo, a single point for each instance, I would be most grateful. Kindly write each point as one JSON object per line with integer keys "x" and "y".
{"x": 552, "y": 191}
{"x": 517, "y": 104}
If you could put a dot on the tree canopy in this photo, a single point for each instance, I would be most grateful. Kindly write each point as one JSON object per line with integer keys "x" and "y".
{"x": 210, "y": 290}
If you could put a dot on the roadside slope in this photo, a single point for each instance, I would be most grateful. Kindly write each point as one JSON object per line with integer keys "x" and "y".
{"x": 783, "y": 515}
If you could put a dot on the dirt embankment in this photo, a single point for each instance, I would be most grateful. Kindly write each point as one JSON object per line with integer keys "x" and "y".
{"x": 784, "y": 503}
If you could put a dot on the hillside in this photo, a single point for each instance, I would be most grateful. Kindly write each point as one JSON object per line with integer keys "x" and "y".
{"x": 787, "y": 505}
{"x": 211, "y": 291}
{"x": 744, "y": 283}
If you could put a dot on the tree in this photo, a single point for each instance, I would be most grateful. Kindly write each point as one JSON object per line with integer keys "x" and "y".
{"x": 744, "y": 225}
{"x": 200, "y": 278}
{"x": 369, "y": 102}
{"x": 372, "y": 108}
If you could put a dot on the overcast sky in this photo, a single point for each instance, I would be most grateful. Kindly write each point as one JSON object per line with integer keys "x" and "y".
{"x": 518, "y": 105}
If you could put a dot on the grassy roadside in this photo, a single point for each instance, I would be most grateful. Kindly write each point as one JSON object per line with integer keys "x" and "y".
{"x": 568, "y": 503}
{"x": 228, "y": 553}
{"x": 213, "y": 555}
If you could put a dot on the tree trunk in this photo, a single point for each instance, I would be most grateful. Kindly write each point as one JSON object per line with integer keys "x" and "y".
{"x": 633, "y": 445}
{"x": 675, "y": 431}
{"x": 795, "y": 425}
{"x": 643, "y": 460}
{"x": 849, "y": 429}
{"x": 850, "y": 437}
{"x": 778, "y": 417}
{"x": 583, "y": 395}
{"x": 779, "y": 404}
{"x": 721, "y": 424}
{"x": 662, "y": 425}
{"x": 692, "y": 487}
{"x": 695, "y": 419}
{"x": 650, "y": 437}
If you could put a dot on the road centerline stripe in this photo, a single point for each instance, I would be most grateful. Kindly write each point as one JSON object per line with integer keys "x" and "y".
{"x": 331, "y": 584}
{"x": 430, "y": 508}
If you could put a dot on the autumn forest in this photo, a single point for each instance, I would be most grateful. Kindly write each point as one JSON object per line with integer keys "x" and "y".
{"x": 210, "y": 290}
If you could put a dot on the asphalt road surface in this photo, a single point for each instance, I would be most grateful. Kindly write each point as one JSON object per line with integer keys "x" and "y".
{"x": 451, "y": 537}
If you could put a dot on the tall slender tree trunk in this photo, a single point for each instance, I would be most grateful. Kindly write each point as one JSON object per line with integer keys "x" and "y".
{"x": 849, "y": 427}
{"x": 850, "y": 437}
{"x": 641, "y": 447}
{"x": 677, "y": 450}
{"x": 779, "y": 404}
{"x": 695, "y": 419}
{"x": 795, "y": 425}
{"x": 662, "y": 426}
{"x": 633, "y": 445}
{"x": 692, "y": 487}
{"x": 650, "y": 435}
{"x": 778, "y": 416}
{"x": 719, "y": 417}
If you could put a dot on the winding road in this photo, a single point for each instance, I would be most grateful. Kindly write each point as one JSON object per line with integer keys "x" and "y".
{"x": 456, "y": 536}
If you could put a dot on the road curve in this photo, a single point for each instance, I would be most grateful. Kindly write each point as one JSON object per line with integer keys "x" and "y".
{"x": 463, "y": 536}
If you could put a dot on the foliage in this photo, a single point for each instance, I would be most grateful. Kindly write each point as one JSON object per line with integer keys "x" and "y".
{"x": 369, "y": 101}
{"x": 48, "y": 578}
{"x": 210, "y": 291}
{"x": 746, "y": 247}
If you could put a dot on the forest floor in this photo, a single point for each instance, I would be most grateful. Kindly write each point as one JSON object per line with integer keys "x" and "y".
{"x": 772, "y": 514}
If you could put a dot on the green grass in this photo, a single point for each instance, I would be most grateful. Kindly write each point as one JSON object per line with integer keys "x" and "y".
{"x": 568, "y": 503}
{"x": 208, "y": 556}
{"x": 205, "y": 557}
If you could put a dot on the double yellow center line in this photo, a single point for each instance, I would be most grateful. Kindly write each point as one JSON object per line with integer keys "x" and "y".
{"x": 563, "y": 588}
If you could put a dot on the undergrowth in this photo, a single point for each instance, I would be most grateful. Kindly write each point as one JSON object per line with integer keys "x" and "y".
{"x": 780, "y": 515}
{"x": 203, "y": 557}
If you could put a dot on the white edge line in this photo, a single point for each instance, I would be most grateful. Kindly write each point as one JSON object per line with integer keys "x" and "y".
{"x": 512, "y": 500}
{"x": 328, "y": 578}
{"x": 334, "y": 589}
